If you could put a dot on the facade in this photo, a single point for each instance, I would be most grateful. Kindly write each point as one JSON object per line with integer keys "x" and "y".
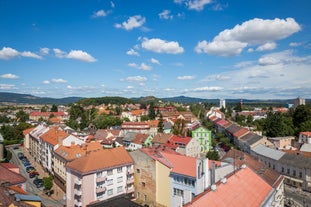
{"x": 304, "y": 137}
{"x": 204, "y": 136}
{"x": 138, "y": 127}
{"x": 222, "y": 103}
{"x": 36, "y": 115}
{"x": 299, "y": 101}
{"x": 282, "y": 142}
{"x": 34, "y": 141}
{"x": 185, "y": 146}
{"x": 98, "y": 176}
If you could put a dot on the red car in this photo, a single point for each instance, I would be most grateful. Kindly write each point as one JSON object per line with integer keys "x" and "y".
{"x": 33, "y": 174}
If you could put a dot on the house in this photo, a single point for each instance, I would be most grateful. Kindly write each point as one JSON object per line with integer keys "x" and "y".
{"x": 7, "y": 197}
{"x": 204, "y": 136}
{"x": 98, "y": 176}
{"x": 282, "y": 142}
{"x": 242, "y": 188}
{"x": 185, "y": 146}
{"x": 165, "y": 178}
{"x": 26, "y": 138}
{"x": 214, "y": 112}
{"x": 248, "y": 141}
{"x": 153, "y": 126}
{"x": 138, "y": 141}
{"x": 221, "y": 125}
{"x": 36, "y": 115}
{"x": 138, "y": 127}
{"x": 160, "y": 138}
{"x": 34, "y": 141}
{"x": 65, "y": 154}
{"x": 304, "y": 137}
{"x": 10, "y": 177}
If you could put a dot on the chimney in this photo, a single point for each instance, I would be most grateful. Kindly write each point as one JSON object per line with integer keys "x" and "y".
{"x": 72, "y": 144}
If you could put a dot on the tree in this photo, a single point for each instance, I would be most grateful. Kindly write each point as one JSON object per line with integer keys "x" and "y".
{"x": 161, "y": 124}
{"x": 179, "y": 127}
{"x": 277, "y": 125}
{"x": 104, "y": 121}
{"x": 151, "y": 113}
{"x": 22, "y": 116}
{"x": 249, "y": 120}
{"x": 238, "y": 107}
{"x": 44, "y": 108}
{"x": 212, "y": 155}
{"x": 301, "y": 114}
{"x": 47, "y": 183}
{"x": 54, "y": 108}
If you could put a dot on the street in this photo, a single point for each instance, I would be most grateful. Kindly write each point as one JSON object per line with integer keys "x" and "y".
{"x": 299, "y": 198}
{"x": 30, "y": 187}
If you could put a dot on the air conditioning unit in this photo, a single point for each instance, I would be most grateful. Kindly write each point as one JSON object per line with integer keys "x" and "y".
{"x": 213, "y": 187}
{"x": 223, "y": 180}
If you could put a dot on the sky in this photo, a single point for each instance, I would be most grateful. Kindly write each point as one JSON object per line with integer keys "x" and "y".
{"x": 258, "y": 49}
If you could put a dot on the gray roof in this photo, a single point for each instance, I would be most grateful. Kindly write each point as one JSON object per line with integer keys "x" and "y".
{"x": 297, "y": 160}
{"x": 305, "y": 147}
{"x": 251, "y": 138}
{"x": 268, "y": 152}
{"x": 21, "y": 197}
{"x": 129, "y": 136}
{"x": 233, "y": 128}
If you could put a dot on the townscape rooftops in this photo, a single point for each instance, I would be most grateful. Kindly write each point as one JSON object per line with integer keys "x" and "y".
{"x": 308, "y": 134}
{"x": 243, "y": 188}
{"x": 296, "y": 159}
{"x": 268, "y": 152}
{"x": 53, "y": 135}
{"x": 100, "y": 160}
{"x": 241, "y": 132}
{"x": 9, "y": 176}
{"x": 161, "y": 138}
{"x": 251, "y": 138}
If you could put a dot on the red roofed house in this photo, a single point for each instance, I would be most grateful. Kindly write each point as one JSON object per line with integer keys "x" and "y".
{"x": 10, "y": 176}
{"x": 166, "y": 178}
{"x": 36, "y": 115}
{"x": 305, "y": 137}
{"x": 138, "y": 127}
{"x": 185, "y": 145}
{"x": 98, "y": 176}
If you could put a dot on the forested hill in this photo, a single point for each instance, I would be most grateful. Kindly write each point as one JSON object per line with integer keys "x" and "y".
{"x": 17, "y": 98}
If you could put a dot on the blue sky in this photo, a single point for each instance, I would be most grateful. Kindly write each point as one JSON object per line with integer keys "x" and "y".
{"x": 164, "y": 48}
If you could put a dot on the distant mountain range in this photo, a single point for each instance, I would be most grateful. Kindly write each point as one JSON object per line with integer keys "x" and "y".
{"x": 15, "y": 98}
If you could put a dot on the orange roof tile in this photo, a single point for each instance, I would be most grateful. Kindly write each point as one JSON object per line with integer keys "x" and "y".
{"x": 306, "y": 133}
{"x": 153, "y": 123}
{"x": 27, "y": 131}
{"x": 101, "y": 159}
{"x": 53, "y": 135}
{"x": 241, "y": 132}
{"x": 138, "y": 112}
{"x": 18, "y": 190}
{"x": 10, "y": 176}
{"x": 244, "y": 188}
{"x": 140, "y": 138}
{"x": 161, "y": 138}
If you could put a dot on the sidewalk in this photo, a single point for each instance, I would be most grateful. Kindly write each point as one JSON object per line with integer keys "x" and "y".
{"x": 58, "y": 193}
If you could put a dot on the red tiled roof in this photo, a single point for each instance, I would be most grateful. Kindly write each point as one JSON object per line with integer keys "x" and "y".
{"x": 153, "y": 123}
{"x": 306, "y": 133}
{"x": 27, "y": 131}
{"x": 53, "y": 135}
{"x": 39, "y": 113}
{"x": 9, "y": 176}
{"x": 101, "y": 159}
{"x": 244, "y": 188}
{"x": 161, "y": 138}
{"x": 140, "y": 138}
{"x": 241, "y": 132}
{"x": 18, "y": 190}
{"x": 175, "y": 139}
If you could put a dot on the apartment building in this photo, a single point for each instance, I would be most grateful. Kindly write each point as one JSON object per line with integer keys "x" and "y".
{"x": 99, "y": 175}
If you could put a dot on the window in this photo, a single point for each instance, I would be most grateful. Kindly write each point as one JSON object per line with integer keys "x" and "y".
{"x": 119, "y": 189}
{"x": 288, "y": 171}
{"x": 110, "y": 182}
{"x": 138, "y": 195}
{"x": 119, "y": 169}
{"x": 120, "y": 179}
{"x": 99, "y": 174}
{"x": 143, "y": 184}
{"x": 178, "y": 192}
{"x": 294, "y": 173}
{"x": 145, "y": 198}
{"x": 100, "y": 195}
{"x": 110, "y": 192}
{"x": 300, "y": 174}
{"x": 138, "y": 170}
{"x": 282, "y": 169}
{"x": 109, "y": 172}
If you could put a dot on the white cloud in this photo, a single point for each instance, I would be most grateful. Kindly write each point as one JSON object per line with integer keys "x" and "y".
{"x": 267, "y": 46}
{"x": 161, "y": 46}
{"x": 59, "y": 53}
{"x": 165, "y": 14}
{"x": 197, "y": 5}
{"x": 142, "y": 66}
{"x": 295, "y": 44}
{"x": 130, "y": 87}
{"x": 256, "y": 31}
{"x": 46, "y": 82}
{"x": 8, "y": 53}
{"x": 99, "y": 13}
{"x": 132, "y": 52}
{"x": 284, "y": 57}
{"x": 59, "y": 80}
{"x": 112, "y": 4}
{"x": 9, "y": 76}
{"x": 132, "y": 22}
{"x": 155, "y": 61}
{"x": 7, "y": 86}
{"x": 268, "y": 60}
{"x": 186, "y": 77}
{"x": 207, "y": 88}
{"x": 81, "y": 55}
{"x": 44, "y": 51}
{"x": 135, "y": 79}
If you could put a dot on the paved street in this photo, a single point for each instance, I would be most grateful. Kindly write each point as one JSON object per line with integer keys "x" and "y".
{"x": 56, "y": 199}
{"x": 299, "y": 198}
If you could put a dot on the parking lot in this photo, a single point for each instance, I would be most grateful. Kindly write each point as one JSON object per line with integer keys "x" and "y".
{"x": 21, "y": 158}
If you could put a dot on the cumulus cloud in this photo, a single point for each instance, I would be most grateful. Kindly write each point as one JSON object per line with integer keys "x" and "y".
{"x": 142, "y": 66}
{"x": 135, "y": 79}
{"x": 284, "y": 57}
{"x": 112, "y": 4}
{"x": 59, "y": 53}
{"x": 132, "y": 52}
{"x": 7, "y": 86}
{"x": 133, "y": 22}
{"x": 165, "y": 14}
{"x": 46, "y": 82}
{"x": 197, "y": 5}
{"x": 155, "y": 61}
{"x": 231, "y": 42}
{"x": 295, "y": 44}
{"x": 99, "y": 13}
{"x": 161, "y": 46}
{"x": 9, "y": 76}
{"x": 186, "y": 77}
{"x": 59, "y": 80}
{"x": 81, "y": 55}
{"x": 207, "y": 88}
{"x": 8, "y": 53}
{"x": 267, "y": 46}
{"x": 44, "y": 51}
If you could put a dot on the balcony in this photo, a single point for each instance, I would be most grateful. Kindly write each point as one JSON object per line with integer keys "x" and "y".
{"x": 130, "y": 171}
{"x": 78, "y": 192}
{"x": 101, "y": 179}
{"x": 130, "y": 189}
{"x": 77, "y": 203}
{"x": 130, "y": 180}
{"x": 78, "y": 181}
{"x": 100, "y": 189}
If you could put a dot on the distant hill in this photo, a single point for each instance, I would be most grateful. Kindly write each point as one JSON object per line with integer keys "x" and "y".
{"x": 17, "y": 98}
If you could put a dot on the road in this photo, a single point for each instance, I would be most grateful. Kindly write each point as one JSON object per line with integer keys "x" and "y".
{"x": 30, "y": 187}
{"x": 299, "y": 198}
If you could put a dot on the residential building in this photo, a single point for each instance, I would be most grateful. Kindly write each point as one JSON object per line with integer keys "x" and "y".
{"x": 11, "y": 177}
{"x": 160, "y": 138}
{"x": 222, "y": 103}
{"x": 215, "y": 112}
{"x": 138, "y": 141}
{"x": 282, "y": 142}
{"x": 221, "y": 125}
{"x": 204, "y": 136}
{"x": 34, "y": 143}
{"x": 304, "y": 137}
{"x": 36, "y": 115}
{"x": 26, "y": 138}
{"x": 138, "y": 127}
{"x": 185, "y": 146}
{"x": 299, "y": 101}
{"x": 99, "y": 175}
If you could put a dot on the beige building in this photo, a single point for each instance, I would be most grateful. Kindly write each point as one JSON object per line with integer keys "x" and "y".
{"x": 282, "y": 142}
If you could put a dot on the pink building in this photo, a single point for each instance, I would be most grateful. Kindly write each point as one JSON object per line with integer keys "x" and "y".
{"x": 99, "y": 175}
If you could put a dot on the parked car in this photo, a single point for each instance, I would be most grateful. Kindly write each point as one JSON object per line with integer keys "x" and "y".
{"x": 27, "y": 164}
{"x": 20, "y": 155}
{"x": 30, "y": 169}
{"x": 37, "y": 180}
{"x": 15, "y": 147}
{"x": 33, "y": 174}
